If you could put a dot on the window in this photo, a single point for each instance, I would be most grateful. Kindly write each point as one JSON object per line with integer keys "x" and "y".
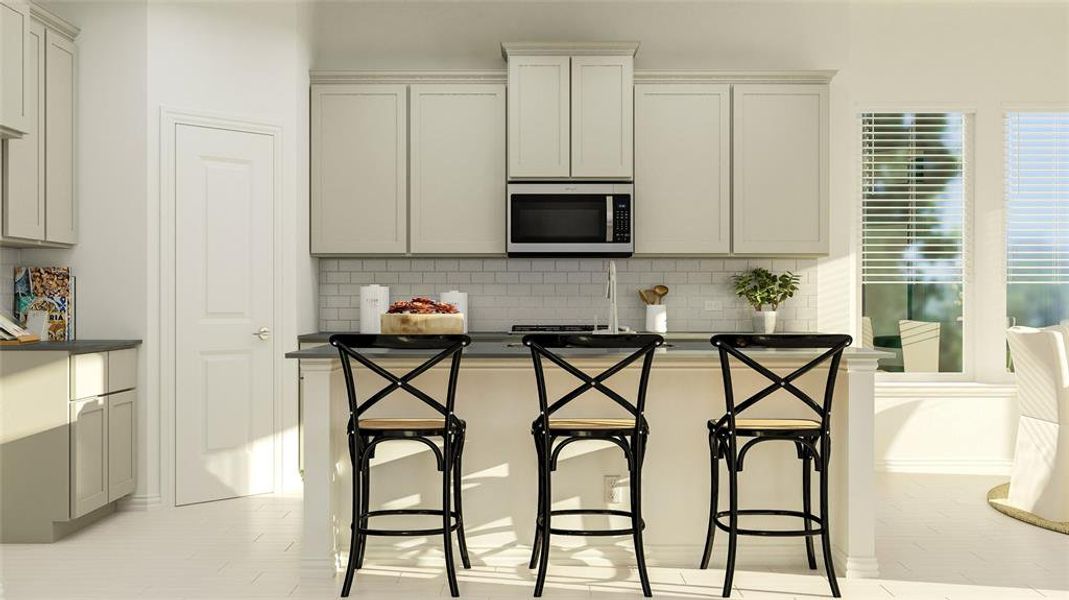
{"x": 1037, "y": 218}
{"x": 913, "y": 238}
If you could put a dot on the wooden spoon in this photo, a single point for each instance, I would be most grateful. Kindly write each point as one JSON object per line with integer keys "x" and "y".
{"x": 647, "y": 296}
{"x": 661, "y": 291}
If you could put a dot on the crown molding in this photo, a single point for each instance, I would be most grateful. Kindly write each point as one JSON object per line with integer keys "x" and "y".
{"x": 715, "y": 76}
{"x": 321, "y": 76}
{"x": 54, "y": 21}
{"x": 569, "y": 48}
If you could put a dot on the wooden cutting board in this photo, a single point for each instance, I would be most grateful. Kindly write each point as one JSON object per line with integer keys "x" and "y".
{"x": 413, "y": 324}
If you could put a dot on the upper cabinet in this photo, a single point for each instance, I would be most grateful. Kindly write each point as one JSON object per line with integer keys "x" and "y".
{"x": 570, "y": 110}
{"x": 457, "y": 168}
{"x": 780, "y": 156}
{"x": 37, "y": 193}
{"x": 682, "y": 168}
{"x": 359, "y": 168}
{"x": 14, "y": 80}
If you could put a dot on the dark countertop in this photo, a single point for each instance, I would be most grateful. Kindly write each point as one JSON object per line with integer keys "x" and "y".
{"x": 320, "y": 337}
{"x": 73, "y": 347}
{"x": 512, "y": 348}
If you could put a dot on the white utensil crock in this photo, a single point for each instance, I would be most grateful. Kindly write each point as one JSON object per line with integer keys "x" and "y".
{"x": 657, "y": 318}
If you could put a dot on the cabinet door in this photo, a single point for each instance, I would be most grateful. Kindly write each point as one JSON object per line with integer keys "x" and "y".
{"x": 122, "y": 451}
{"x": 458, "y": 168}
{"x": 14, "y": 49}
{"x": 61, "y": 209}
{"x": 602, "y": 116}
{"x": 682, "y": 161}
{"x": 89, "y": 455}
{"x": 780, "y": 163}
{"x": 538, "y": 116}
{"x": 24, "y": 191}
{"x": 359, "y": 167}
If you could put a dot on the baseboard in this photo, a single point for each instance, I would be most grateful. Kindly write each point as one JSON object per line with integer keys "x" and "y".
{"x": 139, "y": 502}
{"x": 946, "y": 466}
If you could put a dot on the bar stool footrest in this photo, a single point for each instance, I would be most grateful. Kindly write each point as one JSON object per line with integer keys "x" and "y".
{"x": 772, "y": 513}
{"x": 591, "y": 532}
{"x": 454, "y": 522}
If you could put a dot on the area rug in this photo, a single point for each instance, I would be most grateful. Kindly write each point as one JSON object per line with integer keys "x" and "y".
{"x": 997, "y": 499}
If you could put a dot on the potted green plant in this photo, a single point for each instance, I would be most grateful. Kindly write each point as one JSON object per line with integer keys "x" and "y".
{"x": 760, "y": 288}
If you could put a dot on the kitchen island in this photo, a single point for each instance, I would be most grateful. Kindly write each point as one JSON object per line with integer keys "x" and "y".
{"x": 497, "y": 398}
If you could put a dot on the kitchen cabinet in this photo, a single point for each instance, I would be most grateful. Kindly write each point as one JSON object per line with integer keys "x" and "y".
{"x": 359, "y": 169}
{"x": 682, "y": 168}
{"x": 539, "y": 113}
{"x": 24, "y": 177}
{"x": 89, "y": 455}
{"x": 570, "y": 110}
{"x": 602, "y": 117}
{"x": 37, "y": 192}
{"x": 61, "y": 211}
{"x": 68, "y": 422}
{"x": 780, "y": 169}
{"x": 457, "y": 168}
{"x": 14, "y": 51}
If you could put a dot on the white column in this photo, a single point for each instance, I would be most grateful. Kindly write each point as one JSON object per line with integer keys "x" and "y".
{"x": 321, "y": 380}
{"x": 860, "y": 509}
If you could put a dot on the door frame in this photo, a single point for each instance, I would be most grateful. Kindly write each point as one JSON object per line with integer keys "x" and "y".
{"x": 170, "y": 119}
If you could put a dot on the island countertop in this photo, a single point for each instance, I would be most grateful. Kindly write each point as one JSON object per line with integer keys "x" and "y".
{"x": 72, "y": 346}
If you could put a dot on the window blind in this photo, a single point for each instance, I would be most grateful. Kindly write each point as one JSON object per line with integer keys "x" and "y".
{"x": 1037, "y": 197}
{"x": 913, "y": 197}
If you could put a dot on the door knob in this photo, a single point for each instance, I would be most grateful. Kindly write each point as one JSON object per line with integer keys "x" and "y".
{"x": 263, "y": 333}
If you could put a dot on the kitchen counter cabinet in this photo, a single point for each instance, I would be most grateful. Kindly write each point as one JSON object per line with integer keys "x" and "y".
{"x": 67, "y": 435}
{"x": 497, "y": 398}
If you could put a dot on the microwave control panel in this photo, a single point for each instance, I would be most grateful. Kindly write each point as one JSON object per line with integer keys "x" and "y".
{"x": 621, "y": 219}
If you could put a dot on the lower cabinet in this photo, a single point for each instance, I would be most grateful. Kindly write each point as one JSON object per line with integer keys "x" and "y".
{"x": 89, "y": 455}
{"x": 122, "y": 457}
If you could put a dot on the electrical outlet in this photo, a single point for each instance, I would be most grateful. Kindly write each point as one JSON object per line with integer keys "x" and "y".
{"x": 711, "y": 305}
{"x": 613, "y": 492}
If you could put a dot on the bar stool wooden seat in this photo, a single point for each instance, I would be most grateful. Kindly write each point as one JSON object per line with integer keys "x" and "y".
{"x": 810, "y": 437}
{"x": 551, "y": 435}
{"x": 366, "y": 434}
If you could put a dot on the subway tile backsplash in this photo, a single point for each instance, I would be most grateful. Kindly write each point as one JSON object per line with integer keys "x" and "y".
{"x": 503, "y": 292}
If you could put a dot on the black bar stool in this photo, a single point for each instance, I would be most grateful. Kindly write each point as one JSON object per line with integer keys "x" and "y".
{"x": 365, "y": 434}
{"x": 551, "y": 435}
{"x": 810, "y": 438}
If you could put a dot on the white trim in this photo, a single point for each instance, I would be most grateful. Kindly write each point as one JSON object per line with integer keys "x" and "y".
{"x": 956, "y": 389}
{"x": 946, "y": 466}
{"x": 351, "y": 76}
{"x": 823, "y": 76}
{"x": 54, "y": 22}
{"x": 569, "y": 48}
{"x": 170, "y": 119}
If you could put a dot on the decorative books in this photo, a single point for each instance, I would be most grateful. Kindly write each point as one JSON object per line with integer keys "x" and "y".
{"x": 49, "y": 290}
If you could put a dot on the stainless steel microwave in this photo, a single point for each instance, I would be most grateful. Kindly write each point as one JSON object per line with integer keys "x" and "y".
{"x": 571, "y": 219}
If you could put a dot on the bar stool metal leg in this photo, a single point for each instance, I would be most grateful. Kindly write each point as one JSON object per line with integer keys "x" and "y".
{"x": 638, "y": 453}
{"x": 825, "y": 530}
{"x": 544, "y": 516}
{"x": 458, "y": 501}
{"x": 714, "y": 497}
{"x": 733, "y": 518}
{"x": 447, "y": 537}
{"x": 539, "y": 534}
{"x": 365, "y": 506}
{"x": 807, "y": 504}
{"x": 354, "y": 536}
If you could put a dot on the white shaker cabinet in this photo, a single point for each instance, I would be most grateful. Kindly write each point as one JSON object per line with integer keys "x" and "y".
{"x": 539, "y": 105}
{"x": 61, "y": 76}
{"x": 457, "y": 168}
{"x": 24, "y": 179}
{"x": 89, "y": 455}
{"x": 682, "y": 168}
{"x": 359, "y": 169}
{"x": 780, "y": 166}
{"x": 122, "y": 450}
{"x": 14, "y": 50}
{"x": 602, "y": 116}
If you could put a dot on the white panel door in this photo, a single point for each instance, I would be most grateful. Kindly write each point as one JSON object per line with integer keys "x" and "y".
{"x": 458, "y": 168}
{"x": 61, "y": 75}
{"x": 682, "y": 168}
{"x": 122, "y": 449}
{"x": 538, "y": 116}
{"x": 89, "y": 455}
{"x": 14, "y": 47}
{"x": 24, "y": 192}
{"x": 224, "y": 199}
{"x": 602, "y": 116}
{"x": 780, "y": 162}
{"x": 359, "y": 169}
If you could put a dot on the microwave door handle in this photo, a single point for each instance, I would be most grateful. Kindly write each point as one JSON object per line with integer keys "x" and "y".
{"x": 608, "y": 219}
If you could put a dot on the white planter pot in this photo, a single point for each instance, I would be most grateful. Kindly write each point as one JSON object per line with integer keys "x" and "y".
{"x": 764, "y": 321}
{"x": 657, "y": 318}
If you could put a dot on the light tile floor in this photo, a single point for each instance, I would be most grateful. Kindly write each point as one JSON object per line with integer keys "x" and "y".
{"x": 937, "y": 539}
